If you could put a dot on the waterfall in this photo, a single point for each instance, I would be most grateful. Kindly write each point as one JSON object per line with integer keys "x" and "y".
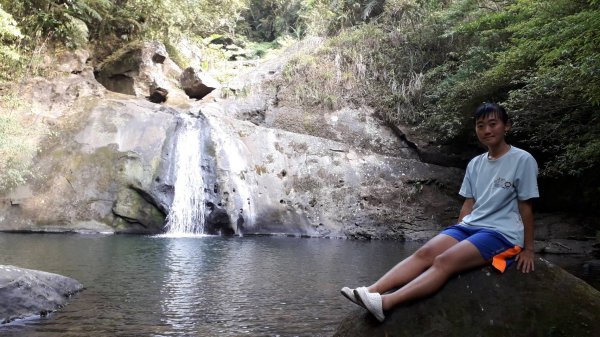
{"x": 186, "y": 216}
{"x": 239, "y": 176}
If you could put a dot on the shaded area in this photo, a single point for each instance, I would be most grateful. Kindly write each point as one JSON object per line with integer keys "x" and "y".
{"x": 547, "y": 302}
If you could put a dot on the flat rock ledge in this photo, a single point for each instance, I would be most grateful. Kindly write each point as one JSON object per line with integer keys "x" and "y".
{"x": 27, "y": 293}
{"x": 482, "y": 302}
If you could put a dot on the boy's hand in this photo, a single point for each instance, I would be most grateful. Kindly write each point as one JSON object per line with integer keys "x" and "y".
{"x": 525, "y": 261}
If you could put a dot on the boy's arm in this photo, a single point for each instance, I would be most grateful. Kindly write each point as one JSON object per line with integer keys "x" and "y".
{"x": 526, "y": 257}
{"x": 466, "y": 208}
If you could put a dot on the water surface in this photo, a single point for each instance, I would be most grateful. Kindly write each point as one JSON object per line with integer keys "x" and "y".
{"x": 199, "y": 286}
{"x": 204, "y": 286}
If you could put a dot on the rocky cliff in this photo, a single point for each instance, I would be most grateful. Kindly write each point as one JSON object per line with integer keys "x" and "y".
{"x": 108, "y": 164}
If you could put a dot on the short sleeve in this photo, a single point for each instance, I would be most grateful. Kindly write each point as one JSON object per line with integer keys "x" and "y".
{"x": 466, "y": 189}
{"x": 526, "y": 178}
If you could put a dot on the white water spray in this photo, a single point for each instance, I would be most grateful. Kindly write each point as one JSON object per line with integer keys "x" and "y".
{"x": 186, "y": 216}
{"x": 239, "y": 177}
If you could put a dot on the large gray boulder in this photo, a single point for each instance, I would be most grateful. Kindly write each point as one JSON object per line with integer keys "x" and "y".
{"x": 26, "y": 292}
{"x": 95, "y": 174}
{"x": 140, "y": 69}
{"x": 284, "y": 182}
{"x": 546, "y": 302}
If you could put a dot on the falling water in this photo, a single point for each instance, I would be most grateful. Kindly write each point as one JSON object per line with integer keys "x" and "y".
{"x": 186, "y": 216}
{"x": 239, "y": 178}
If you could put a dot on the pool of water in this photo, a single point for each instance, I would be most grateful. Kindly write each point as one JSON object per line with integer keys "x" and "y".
{"x": 205, "y": 286}
{"x": 201, "y": 286}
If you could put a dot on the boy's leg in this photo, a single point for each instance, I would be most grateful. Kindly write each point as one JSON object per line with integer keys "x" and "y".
{"x": 459, "y": 257}
{"x": 411, "y": 267}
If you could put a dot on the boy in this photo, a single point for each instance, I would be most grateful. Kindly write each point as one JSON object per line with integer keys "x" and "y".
{"x": 495, "y": 224}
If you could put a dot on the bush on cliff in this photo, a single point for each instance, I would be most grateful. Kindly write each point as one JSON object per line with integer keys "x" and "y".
{"x": 429, "y": 63}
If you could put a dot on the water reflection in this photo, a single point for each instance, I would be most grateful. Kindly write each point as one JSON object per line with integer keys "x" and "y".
{"x": 198, "y": 286}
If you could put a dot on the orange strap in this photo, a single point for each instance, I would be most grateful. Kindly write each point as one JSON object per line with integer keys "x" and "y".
{"x": 499, "y": 261}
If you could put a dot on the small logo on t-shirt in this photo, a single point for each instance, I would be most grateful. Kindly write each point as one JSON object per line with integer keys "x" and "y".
{"x": 502, "y": 183}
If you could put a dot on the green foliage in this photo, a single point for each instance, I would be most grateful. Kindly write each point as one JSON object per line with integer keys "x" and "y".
{"x": 542, "y": 60}
{"x": 430, "y": 63}
{"x": 63, "y": 20}
{"x": 17, "y": 144}
{"x": 268, "y": 19}
{"x": 380, "y": 64}
{"x": 10, "y": 36}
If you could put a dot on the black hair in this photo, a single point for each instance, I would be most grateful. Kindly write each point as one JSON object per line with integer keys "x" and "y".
{"x": 487, "y": 109}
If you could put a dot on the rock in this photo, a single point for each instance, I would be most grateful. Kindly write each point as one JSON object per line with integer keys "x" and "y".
{"x": 224, "y": 40}
{"x": 218, "y": 222}
{"x": 546, "y": 302}
{"x": 190, "y": 50}
{"x": 358, "y": 127}
{"x": 196, "y": 83}
{"x": 286, "y": 182}
{"x": 564, "y": 246}
{"x": 26, "y": 292}
{"x": 99, "y": 174}
{"x": 111, "y": 167}
{"x": 592, "y": 267}
{"x": 54, "y": 98}
{"x": 71, "y": 61}
{"x": 138, "y": 69}
{"x": 158, "y": 95}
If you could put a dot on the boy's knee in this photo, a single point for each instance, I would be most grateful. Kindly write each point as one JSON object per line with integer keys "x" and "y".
{"x": 426, "y": 253}
{"x": 444, "y": 262}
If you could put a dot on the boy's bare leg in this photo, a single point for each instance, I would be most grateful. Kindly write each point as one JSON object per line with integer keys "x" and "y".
{"x": 459, "y": 257}
{"x": 411, "y": 267}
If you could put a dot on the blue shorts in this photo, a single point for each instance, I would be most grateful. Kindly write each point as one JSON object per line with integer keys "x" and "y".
{"x": 492, "y": 245}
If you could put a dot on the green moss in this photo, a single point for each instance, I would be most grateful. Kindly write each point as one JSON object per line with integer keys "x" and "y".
{"x": 176, "y": 55}
{"x": 125, "y": 55}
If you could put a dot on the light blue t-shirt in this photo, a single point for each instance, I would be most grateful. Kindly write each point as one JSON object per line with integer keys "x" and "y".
{"x": 497, "y": 185}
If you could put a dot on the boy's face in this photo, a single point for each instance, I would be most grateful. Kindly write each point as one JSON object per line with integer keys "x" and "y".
{"x": 491, "y": 130}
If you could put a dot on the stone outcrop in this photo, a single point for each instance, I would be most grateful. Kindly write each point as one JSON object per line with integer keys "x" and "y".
{"x": 140, "y": 69}
{"x": 27, "y": 293}
{"x": 111, "y": 168}
{"x": 546, "y": 302}
{"x": 96, "y": 174}
{"x": 285, "y": 182}
{"x": 197, "y": 83}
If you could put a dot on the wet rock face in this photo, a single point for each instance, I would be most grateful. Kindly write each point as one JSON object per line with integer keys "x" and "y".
{"x": 27, "y": 293}
{"x": 218, "y": 222}
{"x": 274, "y": 181}
{"x": 546, "y": 302}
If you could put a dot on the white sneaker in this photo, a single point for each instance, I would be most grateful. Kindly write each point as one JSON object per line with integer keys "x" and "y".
{"x": 349, "y": 294}
{"x": 371, "y": 301}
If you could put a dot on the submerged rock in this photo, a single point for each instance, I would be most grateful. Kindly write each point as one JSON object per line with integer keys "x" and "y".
{"x": 546, "y": 302}
{"x": 26, "y": 292}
